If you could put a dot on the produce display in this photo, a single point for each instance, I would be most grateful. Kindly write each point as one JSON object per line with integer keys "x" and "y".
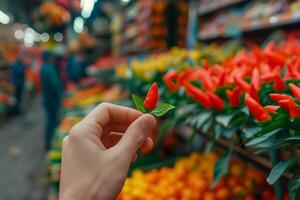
{"x": 191, "y": 177}
{"x": 251, "y": 99}
{"x": 6, "y": 99}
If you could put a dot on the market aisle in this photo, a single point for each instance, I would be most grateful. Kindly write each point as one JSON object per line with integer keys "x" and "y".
{"x": 22, "y": 157}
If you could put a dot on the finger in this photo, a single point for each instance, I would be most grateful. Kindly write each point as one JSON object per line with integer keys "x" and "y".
{"x": 108, "y": 113}
{"x": 147, "y": 147}
{"x": 136, "y": 135}
{"x": 118, "y": 128}
{"x": 111, "y": 139}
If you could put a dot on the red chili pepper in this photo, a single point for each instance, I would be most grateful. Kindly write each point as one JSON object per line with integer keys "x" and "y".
{"x": 291, "y": 106}
{"x": 218, "y": 103}
{"x": 234, "y": 96}
{"x": 277, "y": 97}
{"x": 242, "y": 84}
{"x": 256, "y": 109}
{"x": 295, "y": 90}
{"x": 285, "y": 104}
{"x": 253, "y": 92}
{"x": 271, "y": 108}
{"x": 279, "y": 83}
{"x": 255, "y": 80}
{"x": 198, "y": 95}
{"x": 267, "y": 77}
{"x": 151, "y": 99}
{"x": 170, "y": 78}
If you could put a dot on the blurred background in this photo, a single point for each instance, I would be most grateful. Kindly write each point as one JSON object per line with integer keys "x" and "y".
{"x": 60, "y": 58}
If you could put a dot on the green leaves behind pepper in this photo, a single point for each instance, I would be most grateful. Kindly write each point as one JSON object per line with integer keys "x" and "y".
{"x": 160, "y": 110}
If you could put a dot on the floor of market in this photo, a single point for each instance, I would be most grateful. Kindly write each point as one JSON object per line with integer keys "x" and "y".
{"x": 22, "y": 165}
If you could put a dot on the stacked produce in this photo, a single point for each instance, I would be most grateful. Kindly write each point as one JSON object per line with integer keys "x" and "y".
{"x": 250, "y": 99}
{"x": 54, "y": 13}
{"x": 191, "y": 178}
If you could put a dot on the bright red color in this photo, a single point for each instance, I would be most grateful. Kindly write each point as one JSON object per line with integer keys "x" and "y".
{"x": 255, "y": 79}
{"x": 198, "y": 95}
{"x": 271, "y": 108}
{"x": 277, "y": 97}
{"x": 242, "y": 84}
{"x": 279, "y": 83}
{"x": 234, "y": 96}
{"x": 218, "y": 103}
{"x": 151, "y": 99}
{"x": 253, "y": 92}
{"x": 256, "y": 109}
{"x": 295, "y": 90}
{"x": 170, "y": 80}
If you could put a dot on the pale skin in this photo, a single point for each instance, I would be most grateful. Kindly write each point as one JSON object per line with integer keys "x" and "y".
{"x": 99, "y": 150}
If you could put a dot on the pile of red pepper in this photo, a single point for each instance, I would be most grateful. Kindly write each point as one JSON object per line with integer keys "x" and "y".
{"x": 244, "y": 75}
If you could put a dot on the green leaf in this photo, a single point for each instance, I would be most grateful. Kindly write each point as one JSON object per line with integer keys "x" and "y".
{"x": 250, "y": 132}
{"x": 263, "y": 138}
{"x": 139, "y": 104}
{"x": 279, "y": 169}
{"x": 161, "y": 109}
{"x": 294, "y": 187}
{"x": 203, "y": 118}
{"x": 224, "y": 119}
{"x": 297, "y": 137}
{"x": 222, "y": 165}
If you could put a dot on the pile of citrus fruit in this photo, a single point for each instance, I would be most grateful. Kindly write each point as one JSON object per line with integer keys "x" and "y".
{"x": 191, "y": 178}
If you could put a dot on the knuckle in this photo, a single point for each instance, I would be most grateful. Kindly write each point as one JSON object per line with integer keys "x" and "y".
{"x": 75, "y": 131}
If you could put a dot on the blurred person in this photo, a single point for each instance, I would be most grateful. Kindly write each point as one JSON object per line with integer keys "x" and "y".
{"x": 74, "y": 65}
{"x": 52, "y": 92}
{"x": 18, "y": 79}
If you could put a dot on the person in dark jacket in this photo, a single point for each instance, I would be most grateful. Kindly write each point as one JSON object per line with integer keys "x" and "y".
{"x": 18, "y": 79}
{"x": 52, "y": 92}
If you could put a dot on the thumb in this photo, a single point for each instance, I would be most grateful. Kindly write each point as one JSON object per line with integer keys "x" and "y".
{"x": 136, "y": 134}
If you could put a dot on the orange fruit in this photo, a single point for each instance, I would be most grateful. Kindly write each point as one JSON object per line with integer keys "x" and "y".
{"x": 223, "y": 194}
{"x": 209, "y": 196}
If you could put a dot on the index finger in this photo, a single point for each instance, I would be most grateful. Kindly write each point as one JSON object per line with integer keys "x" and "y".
{"x": 106, "y": 113}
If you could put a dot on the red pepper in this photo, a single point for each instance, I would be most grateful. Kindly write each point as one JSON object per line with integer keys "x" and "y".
{"x": 267, "y": 77}
{"x": 256, "y": 109}
{"x": 198, "y": 95}
{"x": 291, "y": 106}
{"x": 255, "y": 80}
{"x": 234, "y": 96}
{"x": 242, "y": 84}
{"x": 271, "y": 108}
{"x": 295, "y": 90}
{"x": 253, "y": 92}
{"x": 218, "y": 103}
{"x": 285, "y": 104}
{"x": 170, "y": 78}
{"x": 279, "y": 83}
{"x": 277, "y": 97}
{"x": 151, "y": 99}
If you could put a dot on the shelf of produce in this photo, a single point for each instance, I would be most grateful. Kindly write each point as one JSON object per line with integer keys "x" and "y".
{"x": 213, "y": 6}
{"x": 279, "y": 21}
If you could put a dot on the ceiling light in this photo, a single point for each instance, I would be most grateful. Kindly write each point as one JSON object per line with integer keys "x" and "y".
{"x": 19, "y": 34}
{"x": 4, "y": 18}
{"x": 78, "y": 25}
{"x": 58, "y": 37}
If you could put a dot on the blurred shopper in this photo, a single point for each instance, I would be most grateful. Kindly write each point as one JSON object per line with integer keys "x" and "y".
{"x": 74, "y": 65}
{"x": 52, "y": 91}
{"x": 18, "y": 79}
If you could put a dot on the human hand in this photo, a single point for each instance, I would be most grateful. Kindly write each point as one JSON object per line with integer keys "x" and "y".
{"x": 99, "y": 150}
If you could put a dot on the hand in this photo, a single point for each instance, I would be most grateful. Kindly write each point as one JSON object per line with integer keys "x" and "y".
{"x": 99, "y": 150}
